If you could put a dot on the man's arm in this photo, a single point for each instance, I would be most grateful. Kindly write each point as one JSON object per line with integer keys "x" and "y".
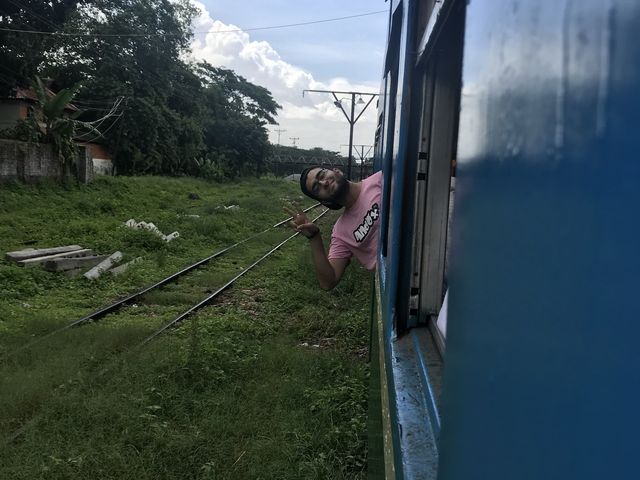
{"x": 328, "y": 271}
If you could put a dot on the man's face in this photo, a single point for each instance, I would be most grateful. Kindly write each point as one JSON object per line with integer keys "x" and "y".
{"x": 328, "y": 184}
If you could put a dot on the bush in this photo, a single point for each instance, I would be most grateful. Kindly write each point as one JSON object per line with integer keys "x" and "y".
{"x": 209, "y": 169}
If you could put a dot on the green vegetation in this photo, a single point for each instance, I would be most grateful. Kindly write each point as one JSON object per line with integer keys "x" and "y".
{"x": 313, "y": 155}
{"x": 49, "y": 123}
{"x": 174, "y": 117}
{"x": 268, "y": 382}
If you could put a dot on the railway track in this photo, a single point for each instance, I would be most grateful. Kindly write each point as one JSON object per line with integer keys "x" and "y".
{"x": 173, "y": 278}
{"x": 166, "y": 325}
{"x": 215, "y": 294}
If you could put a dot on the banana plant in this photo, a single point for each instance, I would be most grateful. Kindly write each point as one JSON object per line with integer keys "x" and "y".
{"x": 59, "y": 129}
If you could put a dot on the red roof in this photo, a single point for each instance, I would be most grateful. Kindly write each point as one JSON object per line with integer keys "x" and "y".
{"x": 30, "y": 94}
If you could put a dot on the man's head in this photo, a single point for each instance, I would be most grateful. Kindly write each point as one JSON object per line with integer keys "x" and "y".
{"x": 328, "y": 186}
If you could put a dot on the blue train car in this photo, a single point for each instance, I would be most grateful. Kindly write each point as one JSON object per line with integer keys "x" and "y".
{"x": 525, "y": 115}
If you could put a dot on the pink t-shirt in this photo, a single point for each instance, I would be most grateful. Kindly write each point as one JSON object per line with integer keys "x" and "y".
{"x": 356, "y": 231}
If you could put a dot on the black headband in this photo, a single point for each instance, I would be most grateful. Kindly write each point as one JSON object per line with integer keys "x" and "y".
{"x": 305, "y": 190}
{"x": 303, "y": 182}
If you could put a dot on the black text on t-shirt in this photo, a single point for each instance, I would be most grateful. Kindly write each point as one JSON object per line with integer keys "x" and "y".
{"x": 364, "y": 228}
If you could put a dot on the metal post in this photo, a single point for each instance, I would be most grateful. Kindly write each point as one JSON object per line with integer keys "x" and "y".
{"x": 351, "y": 119}
{"x": 361, "y": 155}
{"x": 351, "y": 124}
{"x": 279, "y": 130}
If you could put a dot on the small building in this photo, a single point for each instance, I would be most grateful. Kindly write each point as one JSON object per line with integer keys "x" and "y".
{"x": 102, "y": 160}
{"x": 20, "y": 104}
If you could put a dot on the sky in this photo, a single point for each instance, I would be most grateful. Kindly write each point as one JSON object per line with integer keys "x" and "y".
{"x": 343, "y": 55}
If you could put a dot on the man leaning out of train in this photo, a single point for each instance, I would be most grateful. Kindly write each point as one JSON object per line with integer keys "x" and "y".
{"x": 355, "y": 233}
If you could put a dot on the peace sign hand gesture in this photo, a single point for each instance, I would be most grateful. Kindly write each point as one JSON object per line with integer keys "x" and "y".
{"x": 301, "y": 223}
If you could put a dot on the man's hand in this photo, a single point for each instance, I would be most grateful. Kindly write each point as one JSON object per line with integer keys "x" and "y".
{"x": 328, "y": 272}
{"x": 301, "y": 223}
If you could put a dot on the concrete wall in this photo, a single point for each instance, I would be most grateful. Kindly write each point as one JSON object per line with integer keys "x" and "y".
{"x": 102, "y": 163}
{"x": 28, "y": 162}
{"x": 102, "y": 166}
{"x": 84, "y": 165}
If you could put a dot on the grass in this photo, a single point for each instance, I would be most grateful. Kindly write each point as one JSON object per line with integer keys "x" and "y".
{"x": 268, "y": 382}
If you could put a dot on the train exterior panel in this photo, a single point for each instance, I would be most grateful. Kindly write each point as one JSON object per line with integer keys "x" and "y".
{"x": 532, "y": 108}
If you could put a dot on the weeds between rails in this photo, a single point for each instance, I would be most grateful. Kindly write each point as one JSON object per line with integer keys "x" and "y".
{"x": 177, "y": 320}
{"x": 102, "y": 311}
{"x": 224, "y": 287}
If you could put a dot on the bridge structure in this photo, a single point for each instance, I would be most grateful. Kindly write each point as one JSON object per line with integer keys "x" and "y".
{"x": 284, "y": 165}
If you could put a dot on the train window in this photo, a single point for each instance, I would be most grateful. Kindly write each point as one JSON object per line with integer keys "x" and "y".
{"x": 377, "y": 142}
{"x": 435, "y": 177}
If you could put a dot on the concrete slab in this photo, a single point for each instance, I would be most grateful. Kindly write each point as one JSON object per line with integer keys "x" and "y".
{"x": 64, "y": 264}
{"x": 39, "y": 260}
{"x": 38, "y": 252}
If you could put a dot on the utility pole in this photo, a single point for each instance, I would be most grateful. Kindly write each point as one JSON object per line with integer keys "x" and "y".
{"x": 350, "y": 118}
{"x": 279, "y": 130}
{"x": 293, "y": 139}
{"x": 361, "y": 154}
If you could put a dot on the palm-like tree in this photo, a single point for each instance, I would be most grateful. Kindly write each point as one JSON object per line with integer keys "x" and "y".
{"x": 58, "y": 128}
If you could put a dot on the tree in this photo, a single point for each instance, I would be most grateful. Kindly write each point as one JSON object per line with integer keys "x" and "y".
{"x": 49, "y": 122}
{"x": 235, "y": 118}
{"x": 155, "y": 131}
{"x": 174, "y": 112}
{"x": 59, "y": 130}
{"x": 23, "y": 55}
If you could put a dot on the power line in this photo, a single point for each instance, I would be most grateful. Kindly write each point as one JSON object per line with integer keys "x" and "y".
{"x": 33, "y": 14}
{"x": 125, "y": 35}
{"x": 297, "y": 24}
{"x": 102, "y": 134}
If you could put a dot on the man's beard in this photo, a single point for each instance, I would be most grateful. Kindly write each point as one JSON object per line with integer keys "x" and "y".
{"x": 342, "y": 189}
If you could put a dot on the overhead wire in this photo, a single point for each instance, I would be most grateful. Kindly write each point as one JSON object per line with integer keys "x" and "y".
{"x": 151, "y": 34}
{"x": 93, "y": 125}
{"x": 93, "y": 102}
{"x": 111, "y": 112}
{"x": 96, "y": 123}
{"x": 33, "y": 14}
{"x": 102, "y": 133}
{"x": 107, "y": 105}
{"x": 32, "y": 30}
{"x": 125, "y": 35}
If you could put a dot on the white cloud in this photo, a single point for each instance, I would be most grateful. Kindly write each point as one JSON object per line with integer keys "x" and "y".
{"x": 314, "y": 118}
{"x": 296, "y": 112}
